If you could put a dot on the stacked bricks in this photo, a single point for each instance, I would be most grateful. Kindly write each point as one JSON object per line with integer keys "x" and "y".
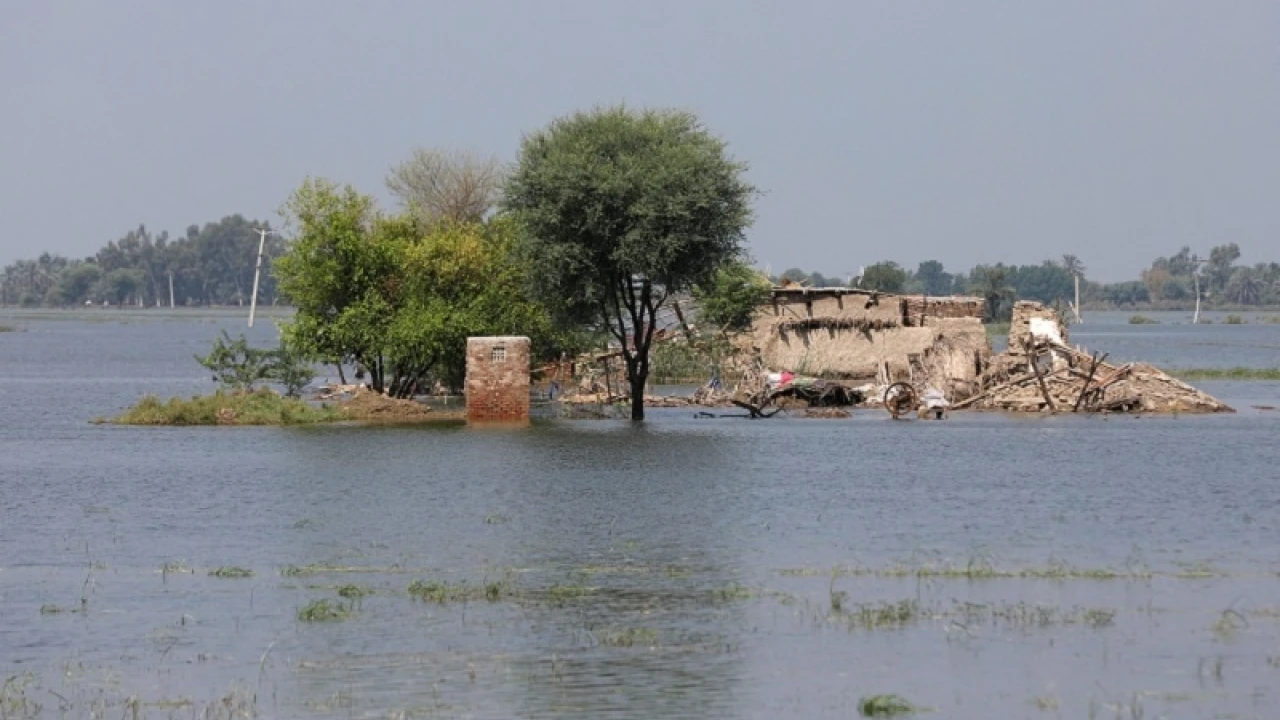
{"x": 497, "y": 384}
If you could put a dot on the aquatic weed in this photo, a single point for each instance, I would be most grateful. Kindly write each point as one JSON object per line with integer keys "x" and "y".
{"x": 231, "y": 571}
{"x": 354, "y": 592}
{"x": 731, "y": 592}
{"x": 885, "y": 706}
{"x": 628, "y": 637}
{"x": 1228, "y": 624}
{"x": 324, "y": 611}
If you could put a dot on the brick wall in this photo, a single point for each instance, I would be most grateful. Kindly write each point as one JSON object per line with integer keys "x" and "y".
{"x": 497, "y": 384}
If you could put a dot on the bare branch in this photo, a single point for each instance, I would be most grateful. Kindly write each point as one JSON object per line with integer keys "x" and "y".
{"x": 448, "y": 185}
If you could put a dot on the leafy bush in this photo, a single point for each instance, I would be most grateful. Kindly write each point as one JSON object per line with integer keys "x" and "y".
{"x": 1143, "y": 320}
{"x": 1234, "y": 320}
{"x": 237, "y": 366}
{"x": 730, "y": 299}
{"x": 885, "y": 706}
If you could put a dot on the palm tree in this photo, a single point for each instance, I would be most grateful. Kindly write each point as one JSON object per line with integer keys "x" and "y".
{"x": 1244, "y": 287}
{"x": 991, "y": 282}
{"x": 1073, "y": 265}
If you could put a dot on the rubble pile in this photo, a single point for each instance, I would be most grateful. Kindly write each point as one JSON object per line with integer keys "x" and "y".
{"x": 1040, "y": 372}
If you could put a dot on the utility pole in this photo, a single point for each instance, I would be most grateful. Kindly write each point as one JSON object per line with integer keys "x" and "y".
{"x": 1195, "y": 320}
{"x": 1076, "y": 308}
{"x": 257, "y": 270}
{"x": 170, "y": 289}
{"x": 1195, "y": 274}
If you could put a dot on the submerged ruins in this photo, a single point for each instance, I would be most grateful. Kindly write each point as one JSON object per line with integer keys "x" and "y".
{"x": 837, "y": 347}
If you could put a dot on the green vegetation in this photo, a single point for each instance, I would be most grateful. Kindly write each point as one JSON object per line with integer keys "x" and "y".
{"x": 998, "y": 329}
{"x": 1143, "y": 320}
{"x": 885, "y": 706}
{"x": 237, "y": 366}
{"x": 561, "y": 593}
{"x": 729, "y": 299}
{"x": 443, "y": 592}
{"x": 977, "y": 568}
{"x": 324, "y": 611}
{"x": 260, "y": 407}
{"x": 691, "y": 361}
{"x": 323, "y": 569}
{"x": 231, "y": 571}
{"x": 1238, "y": 373}
{"x": 1170, "y": 283}
{"x": 354, "y": 592}
{"x": 620, "y": 209}
{"x": 732, "y": 592}
{"x": 399, "y": 296}
{"x": 628, "y": 637}
{"x": 7, "y": 328}
{"x": 212, "y": 265}
{"x": 1234, "y": 320}
{"x": 884, "y": 276}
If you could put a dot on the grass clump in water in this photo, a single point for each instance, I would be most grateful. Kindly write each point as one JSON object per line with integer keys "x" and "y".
{"x": 441, "y": 592}
{"x": 1143, "y": 320}
{"x": 732, "y": 592}
{"x": 885, "y": 706}
{"x": 354, "y": 592}
{"x": 324, "y": 611}
{"x": 887, "y": 615}
{"x": 231, "y": 571}
{"x": 560, "y": 593}
{"x": 1234, "y": 320}
{"x": 1237, "y": 373}
{"x": 628, "y": 637}
{"x": 260, "y": 407}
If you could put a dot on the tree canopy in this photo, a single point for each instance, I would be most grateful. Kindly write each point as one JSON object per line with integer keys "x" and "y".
{"x": 620, "y": 208}
{"x": 397, "y": 297}
{"x": 729, "y": 300}
{"x": 210, "y": 265}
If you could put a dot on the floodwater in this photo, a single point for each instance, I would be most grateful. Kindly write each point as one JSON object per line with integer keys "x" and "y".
{"x": 985, "y": 567}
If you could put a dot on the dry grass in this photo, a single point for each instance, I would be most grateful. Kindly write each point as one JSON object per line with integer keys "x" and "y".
{"x": 261, "y": 407}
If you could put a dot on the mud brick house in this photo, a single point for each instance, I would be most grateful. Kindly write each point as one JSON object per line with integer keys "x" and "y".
{"x": 858, "y": 335}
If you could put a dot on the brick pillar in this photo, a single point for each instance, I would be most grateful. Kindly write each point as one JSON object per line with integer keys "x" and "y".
{"x": 497, "y": 384}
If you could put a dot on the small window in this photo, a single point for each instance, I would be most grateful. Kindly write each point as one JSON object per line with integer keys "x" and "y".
{"x": 498, "y": 354}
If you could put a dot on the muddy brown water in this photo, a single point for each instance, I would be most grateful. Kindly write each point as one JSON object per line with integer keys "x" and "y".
{"x": 987, "y": 566}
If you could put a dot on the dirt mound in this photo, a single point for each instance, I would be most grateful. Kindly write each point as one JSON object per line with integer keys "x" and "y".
{"x": 369, "y": 405}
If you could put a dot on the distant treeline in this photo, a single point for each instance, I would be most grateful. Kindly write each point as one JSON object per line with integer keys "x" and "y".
{"x": 1169, "y": 283}
{"x": 210, "y": 265}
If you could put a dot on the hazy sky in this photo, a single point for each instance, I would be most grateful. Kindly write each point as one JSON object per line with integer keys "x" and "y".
{"x": 962, "y": 131}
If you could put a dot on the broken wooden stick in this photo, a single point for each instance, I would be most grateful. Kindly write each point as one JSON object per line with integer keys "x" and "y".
{"x": 1035, "y": 367}
{"x": 1093, "y": 369}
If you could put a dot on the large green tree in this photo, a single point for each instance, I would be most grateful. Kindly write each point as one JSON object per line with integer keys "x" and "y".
{"x": 730, "y": 298}
{"x": 399, "y": 296}
{"x": 884, "y": 276}
{"x": 621, "y": 208}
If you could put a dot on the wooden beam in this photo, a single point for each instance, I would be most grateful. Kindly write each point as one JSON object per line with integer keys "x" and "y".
{"x": 1035, "y": 367}
{"x": 1092, "y": 370}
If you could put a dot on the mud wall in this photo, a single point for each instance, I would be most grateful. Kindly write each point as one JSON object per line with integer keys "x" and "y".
{"x": 869, "y": 337}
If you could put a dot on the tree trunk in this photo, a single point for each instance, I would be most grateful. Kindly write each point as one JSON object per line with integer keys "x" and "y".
{"x": 638, "y": 381}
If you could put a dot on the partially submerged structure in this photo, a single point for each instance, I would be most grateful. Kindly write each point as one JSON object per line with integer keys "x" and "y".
{"x": 1041, "y": 372}
{"x": 497, "y": 381}
{"x": 861, "y": 337}
{"x": 869, "y": 341}
{"x": 833, "y": 347}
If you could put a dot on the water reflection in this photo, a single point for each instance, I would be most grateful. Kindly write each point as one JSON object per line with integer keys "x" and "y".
{"x": 679, "y": 568}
